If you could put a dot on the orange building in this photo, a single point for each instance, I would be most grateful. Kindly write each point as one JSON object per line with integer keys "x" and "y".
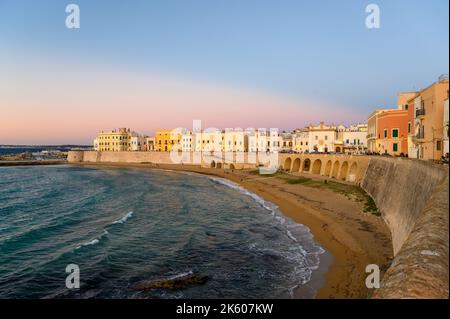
{"x": 392, "y": 130}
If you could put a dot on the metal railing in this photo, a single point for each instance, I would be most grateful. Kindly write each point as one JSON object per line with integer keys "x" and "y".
{"x": 420, "y": 112}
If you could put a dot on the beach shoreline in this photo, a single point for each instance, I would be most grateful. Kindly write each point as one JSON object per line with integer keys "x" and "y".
{"x": 353, "y": 238}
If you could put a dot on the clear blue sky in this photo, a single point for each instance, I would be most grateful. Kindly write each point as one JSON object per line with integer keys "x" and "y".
{"x": 319, "y": 49}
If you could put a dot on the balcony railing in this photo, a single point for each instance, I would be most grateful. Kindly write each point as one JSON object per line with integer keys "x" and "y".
{"x": 420, "y": 112}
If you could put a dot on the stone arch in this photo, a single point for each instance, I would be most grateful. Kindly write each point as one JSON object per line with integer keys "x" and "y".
{"x": 213, "y": 164}
{"x": 296, "y": 165}
{"x": 328, "y": 168}
{"x": 219, "y": 165}
{"x": 344, "y": 171}
{"x": 306, "y": 165}
{"x": 334, "y": 172}
{"x": 317, "y": 166}
{"x": 287, "y": 164}
{"x": 352, "y": 172}
{"x": 232, "y": 166}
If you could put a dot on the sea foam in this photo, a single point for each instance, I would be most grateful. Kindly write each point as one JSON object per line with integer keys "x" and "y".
{"x": 123, "y": 219}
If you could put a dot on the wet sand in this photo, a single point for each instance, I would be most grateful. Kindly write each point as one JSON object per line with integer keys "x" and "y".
{"x": 352, "y": 238}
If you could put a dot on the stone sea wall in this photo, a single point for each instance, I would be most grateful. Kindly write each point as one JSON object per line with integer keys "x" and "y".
{"x": 411, "y": 195}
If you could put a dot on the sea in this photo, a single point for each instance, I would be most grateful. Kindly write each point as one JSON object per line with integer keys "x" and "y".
{"x": 124, "y": 226}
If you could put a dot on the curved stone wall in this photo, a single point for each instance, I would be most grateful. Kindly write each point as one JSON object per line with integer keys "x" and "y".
{"x": 413, "y": 199}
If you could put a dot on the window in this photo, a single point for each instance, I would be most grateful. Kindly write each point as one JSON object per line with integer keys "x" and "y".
{"x": 409, "y": 127}
{"x": 385, "y": 133}
{"x": 438, "y": 145}
{"x": 395, "y": 147}
{"x": 326, "y": 137}
{"x": 395, "y": 132}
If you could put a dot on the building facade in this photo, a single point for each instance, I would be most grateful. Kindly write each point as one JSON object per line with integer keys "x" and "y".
{"x": 322, "y": 138}
{"x": 166, "y": 140}
{"x": 353, "y": 139}
{"x": 445, "y": 132}
{"x": 115, "y": 140}
{"x": 301, "y": 142}
{"x": 429, "y": 121}
{"x": 392, "y": 132}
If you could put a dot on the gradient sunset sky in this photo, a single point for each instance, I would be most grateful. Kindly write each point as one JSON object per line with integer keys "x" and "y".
{"x": 246, "y": 63}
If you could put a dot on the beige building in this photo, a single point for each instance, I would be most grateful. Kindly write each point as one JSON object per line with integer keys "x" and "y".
{"x": 372, "y": 131}
{"x": 429, "y": 121}
{"x": 445, "y": 132}
{"x": 286, "y": 142}
{"x": 235, "y": 140}
{"x": 116, "y": 140}
{"x": 210, "y": 140}
{"x": 301, "y": 142}
{"x": 150, "y": 143}
{"x": 323, "y": 138}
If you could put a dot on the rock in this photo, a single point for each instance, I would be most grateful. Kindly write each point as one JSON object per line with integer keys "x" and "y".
{"x": 175, "y": 283}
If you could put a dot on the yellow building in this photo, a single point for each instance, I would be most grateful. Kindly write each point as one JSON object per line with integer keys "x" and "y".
{"x": 116, "y": 140}
{"x": 167, "y": 139}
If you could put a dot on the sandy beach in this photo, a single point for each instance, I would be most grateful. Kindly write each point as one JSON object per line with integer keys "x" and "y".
{"x": 335, "y": 214}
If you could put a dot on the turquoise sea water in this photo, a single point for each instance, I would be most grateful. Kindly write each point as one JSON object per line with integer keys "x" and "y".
{"x": 122, "y": 226}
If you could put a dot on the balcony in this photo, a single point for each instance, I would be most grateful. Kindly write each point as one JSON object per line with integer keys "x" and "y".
{"x": 420, "y": 112}
{"x": 420, "y": 135}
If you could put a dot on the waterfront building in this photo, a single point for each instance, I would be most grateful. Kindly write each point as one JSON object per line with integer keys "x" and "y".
{"x": 285, "y": 142}
{"x": 210, "y": 140}
{"x": 187, "y": 141}
{"x": 257, "y": 141}
{"x": 137, "y": 142}
{"x": 429, "y": 120}
{"x": 445, "y": 127}
{"x": 392, "y": 132}
{"x": 353, "y": 138}
{"x": 116, "y": 140}
{"x": 372, "y": 133}
{"x": 413, "y": 151}
{"x": 96, "y": 144}
{"x": 150, "y": 144}
{"x": 301, "y": 141}
{"x": 322, "y": 138}
{"x": 235, "y": 140}
{"x": 166, "y": 140}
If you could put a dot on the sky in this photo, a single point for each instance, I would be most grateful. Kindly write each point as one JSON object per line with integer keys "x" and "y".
{"x": 229, "y": 63}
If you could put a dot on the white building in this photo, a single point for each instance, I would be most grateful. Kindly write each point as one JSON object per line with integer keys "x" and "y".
{"x": 187, "y": 142}
{"x": 137, "y": 142}
{"x": 96, "y": 145}
{"x": 354, "y": 139}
